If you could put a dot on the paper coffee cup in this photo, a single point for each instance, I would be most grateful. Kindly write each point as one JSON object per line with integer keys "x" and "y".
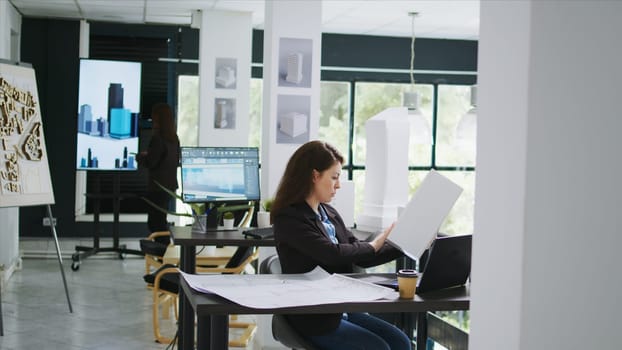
{"x": 407, "y": 283}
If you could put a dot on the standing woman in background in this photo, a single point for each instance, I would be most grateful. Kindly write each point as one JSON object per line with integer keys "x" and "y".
{"x": 162, "y": 160}
{"x": 310, "y": 233}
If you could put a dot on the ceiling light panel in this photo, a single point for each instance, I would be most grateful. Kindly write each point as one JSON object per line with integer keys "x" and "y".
{"x": 181, "y": 4}
{"x": 52, "y": 8}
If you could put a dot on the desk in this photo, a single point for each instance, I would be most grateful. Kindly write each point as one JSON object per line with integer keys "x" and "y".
{"x": 212, "y": 312}
{"x": 188, "y": 241}
{"x": 205, "y": 257}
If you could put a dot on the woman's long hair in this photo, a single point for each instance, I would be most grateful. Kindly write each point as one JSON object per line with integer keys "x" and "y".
{"x": 162, "y": 115}
{"x": 297, "y": 180}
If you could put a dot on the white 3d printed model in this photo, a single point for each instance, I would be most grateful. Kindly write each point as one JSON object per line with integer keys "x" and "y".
{"x": 386, "y": 168}
{"x": 293, "y": 124}
{"x": 221, "y": 114}
{"x": 294, "y": 68}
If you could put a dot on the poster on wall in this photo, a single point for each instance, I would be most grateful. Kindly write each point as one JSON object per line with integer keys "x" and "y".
{"x": 226, "y": 73}
{"x": 224, "y": 113}
{"x": 295, "y": 62}
{"x": 24, "y": 172}
{"x": 293, "y": 114}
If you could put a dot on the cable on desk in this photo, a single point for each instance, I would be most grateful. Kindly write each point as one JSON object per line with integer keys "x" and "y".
{"x": 171, "y": 346}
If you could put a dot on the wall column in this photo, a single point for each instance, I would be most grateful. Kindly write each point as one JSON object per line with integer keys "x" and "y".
{"x": 291, "y": 84}
{"x": 547, "y": 220}
{"x": 224, "y": 78}
{"x": 291, "y": 97}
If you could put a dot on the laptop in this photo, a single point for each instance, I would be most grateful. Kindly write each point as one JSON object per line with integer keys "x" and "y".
{"x": 448, "y": 265}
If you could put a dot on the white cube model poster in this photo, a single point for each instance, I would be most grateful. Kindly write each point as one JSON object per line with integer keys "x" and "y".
{"x": 226, "y": 73}
{"x": 295, "y": 62}
{"x": 293, "y": 118}
{"x": 24, "y": 172}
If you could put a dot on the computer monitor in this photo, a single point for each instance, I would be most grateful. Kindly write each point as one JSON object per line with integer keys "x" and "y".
{"x": 219, "y": 174}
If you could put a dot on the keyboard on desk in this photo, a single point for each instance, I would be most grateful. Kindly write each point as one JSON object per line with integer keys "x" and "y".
{"x": 259, "y": 233}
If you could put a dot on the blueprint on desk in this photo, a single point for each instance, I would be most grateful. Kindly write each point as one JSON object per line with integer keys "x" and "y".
{"x": 276, "y": 291}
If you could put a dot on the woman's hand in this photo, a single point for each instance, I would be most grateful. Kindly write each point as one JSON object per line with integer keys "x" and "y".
{"x": 379, "y": 240}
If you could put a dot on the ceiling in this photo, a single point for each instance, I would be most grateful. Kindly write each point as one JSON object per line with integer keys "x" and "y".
{"x": 446, "y": 19}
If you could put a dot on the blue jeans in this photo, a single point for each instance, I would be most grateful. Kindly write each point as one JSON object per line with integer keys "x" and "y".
{"x": 362, "y": 331}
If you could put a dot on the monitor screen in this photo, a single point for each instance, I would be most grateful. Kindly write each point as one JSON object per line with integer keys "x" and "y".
{"x": 107, "y": 116}
{"x": 216, "y": 174}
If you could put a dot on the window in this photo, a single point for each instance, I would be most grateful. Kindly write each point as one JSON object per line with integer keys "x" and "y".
{"x": 372, "y": 98}
{"x": 335, "y": 115}
{"x": 454, "y": 102}
{"x": 345, "y": 129}
{"x": 256, "y": 109}
{"x": 188, "y": 110}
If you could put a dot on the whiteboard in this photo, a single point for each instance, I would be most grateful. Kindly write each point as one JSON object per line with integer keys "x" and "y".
{"x": 418, "y": 224}
{"x": 24, "y": 172}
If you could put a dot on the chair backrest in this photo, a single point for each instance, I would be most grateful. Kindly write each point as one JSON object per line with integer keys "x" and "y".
{"x": 270, "y": 265}
{"x": 240, "y": 256}
{"x": 282, "y": 331}
{"x": 288, "y": 336}
{"x": 246, "y": 219}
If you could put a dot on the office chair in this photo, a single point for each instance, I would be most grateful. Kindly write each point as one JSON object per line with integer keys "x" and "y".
{"x": 282, "y": 331}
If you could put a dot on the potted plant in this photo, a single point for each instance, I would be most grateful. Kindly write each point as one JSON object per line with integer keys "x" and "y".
{"x": 227, "y": 220}
{"x": 206, "y": 215}
{"x": 267, "y": 204}
{"x": 263, "y": 216}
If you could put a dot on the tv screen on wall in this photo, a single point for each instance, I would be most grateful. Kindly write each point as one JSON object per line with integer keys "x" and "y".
{"x": 107, "y": 116}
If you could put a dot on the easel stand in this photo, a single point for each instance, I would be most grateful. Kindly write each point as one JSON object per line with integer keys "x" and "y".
{"x": 116, "y": 207}
{"x": 1, "y": 326}
{"x": 60, "y": 259}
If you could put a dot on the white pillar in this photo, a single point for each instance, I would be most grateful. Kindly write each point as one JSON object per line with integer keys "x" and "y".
{"x": 547, "y": 219}
{"x": 292, "y": 44}
{"x": 224, "y": 78}
{"x": 292, "y": 41}
{"x": 85, "y": 32}
{"x": 83, "y": 52}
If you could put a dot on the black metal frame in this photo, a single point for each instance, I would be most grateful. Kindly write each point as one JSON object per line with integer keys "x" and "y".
{"x": 121, "y": 249}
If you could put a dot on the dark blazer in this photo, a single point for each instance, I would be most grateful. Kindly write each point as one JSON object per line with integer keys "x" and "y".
{"x": 162, "y": 160}
{"x": 302, "y": 243}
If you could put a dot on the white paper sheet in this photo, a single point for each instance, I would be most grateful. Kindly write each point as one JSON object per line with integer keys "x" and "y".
{"x": 276, "y": 291}
{"x": 418, "y": 224}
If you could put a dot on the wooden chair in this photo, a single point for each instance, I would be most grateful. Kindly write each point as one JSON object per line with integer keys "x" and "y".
{"x": 165, "y": 288}
{"x": 154, "y": 247}
{"x": 165, "y": 284}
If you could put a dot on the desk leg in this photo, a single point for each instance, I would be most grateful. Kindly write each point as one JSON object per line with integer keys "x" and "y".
{"x": 186, "y": 314}
{"x": 219, "y": 332}
{"x": 203, "y": 332}
{"x": 422, "y": 330}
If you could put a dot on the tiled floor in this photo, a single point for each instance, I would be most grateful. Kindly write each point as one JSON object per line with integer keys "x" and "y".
{"x": 111, "y": 306}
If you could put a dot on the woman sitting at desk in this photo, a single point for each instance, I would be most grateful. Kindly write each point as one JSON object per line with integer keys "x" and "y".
{"x": 310, "y": 233}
